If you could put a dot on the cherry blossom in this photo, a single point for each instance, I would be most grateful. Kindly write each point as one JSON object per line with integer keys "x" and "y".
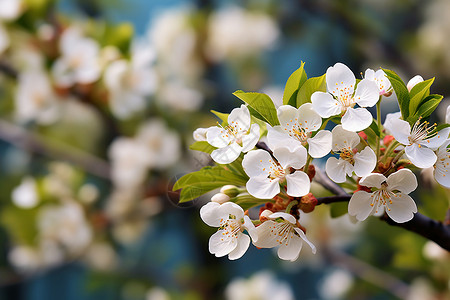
{"x": 413, "y": 81}
{"x": 349, "y": 161}
{"x": 230, "y": 219}
{"x": 390, "y": 195}
{"x": 281, "y": 230}
{"x": 267, "y": 173}
{"x": 342, "y": 97}
{"x": 296, "y": 129}
{"x": 238, "y": 136}
{"x": 442, "y": 165}
{"x": 419, "y": 141}
{"x": 380, "y": 78}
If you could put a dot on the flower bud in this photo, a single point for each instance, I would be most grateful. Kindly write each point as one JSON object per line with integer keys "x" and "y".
{"x": 230, "y": 190}
{"x": 307, "y": 203}
{"x": 199, "y": 134}
{"x": 413, "y": 81}
{"x": 220, "y": 198}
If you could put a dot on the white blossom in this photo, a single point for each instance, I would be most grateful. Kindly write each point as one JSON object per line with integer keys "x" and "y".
{"x": 79, "y": 60}
{"x": 380, "y": 78}
{"x": 229, "y": 239}
{"x": 419, "y": 141}
{"x": 238, "y": 136}
{"x": 267, "y": 173}
{"x": 442, "y": 165}
{"x": 390, "y": 195}
{"x": 342, "y": 97}
{"x": 349, "y": 161}
{"x": 413, "y": 81}
{"x": 296, "y": 129}
{"x": 281, "y": 230}
{"x": 26, "y": 195}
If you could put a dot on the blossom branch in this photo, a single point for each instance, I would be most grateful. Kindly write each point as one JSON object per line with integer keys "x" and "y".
{"x": 433, "y": 230}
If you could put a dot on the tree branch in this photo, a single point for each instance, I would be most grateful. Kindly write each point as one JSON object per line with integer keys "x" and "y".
{"x": 422, "y": 225}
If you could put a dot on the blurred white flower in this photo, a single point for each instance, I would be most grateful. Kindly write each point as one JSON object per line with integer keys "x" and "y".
{"x": 261, "y": 286}
{"x": 25, "y": 258}
{"x": 10, "y": 9}
{"x": 236, "y": 33}
{"x": 25, "y": 195}
{"x": 129, "y": 162}
{"x": 131, "y": 82}
{"x": 35, "y": 99}
{"x": 157, "y": 293}
{"x": 178, "y": 95}
{"x": 162, "y": 145}
{"x": 101, "y": 256}
{"x": 65, "y": 224}
{"x": 336, "y": 284}
{"x": 88, "y": 193}
{"x": 433, "y": 251}
{"x": 79, "y": 60}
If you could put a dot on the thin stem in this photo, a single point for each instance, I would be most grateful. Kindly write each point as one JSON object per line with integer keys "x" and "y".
{"x": 379, "y": 126}
{"x": 308, "y": 162}
{"x": 290, "y": 205}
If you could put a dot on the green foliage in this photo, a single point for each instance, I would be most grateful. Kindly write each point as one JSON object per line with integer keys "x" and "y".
{"x": 427, "y": 106}
{"x": 222, "y": 116}
{"x": 293, "y": 84}
{"x": 338, "y": 209}
{"x": 247, "y": 201}
{"x": 202, "y": 146}
{"x": 260, "y": 106}
{"x": 419, "y": 92}
{"x": 401, "y": 91}
{"x": 21, "y": 223}
{"x": 195, "y": 184}
{"x": 313, "y": 84}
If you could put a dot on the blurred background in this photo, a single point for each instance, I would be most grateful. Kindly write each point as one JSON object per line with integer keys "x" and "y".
{"x": 98, "y": 102}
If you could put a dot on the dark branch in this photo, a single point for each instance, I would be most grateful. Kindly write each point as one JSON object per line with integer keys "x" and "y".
{"x": 428, "y": 228}
{"x": 326, "y": 182}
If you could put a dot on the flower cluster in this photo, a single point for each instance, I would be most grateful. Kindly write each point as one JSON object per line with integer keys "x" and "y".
{"x": 266, "y": 151}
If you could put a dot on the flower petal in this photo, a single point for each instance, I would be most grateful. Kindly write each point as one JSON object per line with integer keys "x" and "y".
{"x": 217, "y": 137}
{"x": 240, "y": 118}
{"x": 421, "y": 157}
{"x": 325, "y": 105}
{"x": 336, "y": 169}
{"x": 356, "y": 119}
{"x": 340, "y": 77}
{"x": 367, "y": 93}
{"x": 287, "y": 115}
{"x": 298, "y": 184}
{"x": 373, "y": 180}
{"x": 290, "y": 247}
{"x": 304, "y": 238}
{"x": 249, "y": 140}
{"x": 360, "y": 205}
{"x": 227, "y": 154}
{"x": 277, "y": 138}
{"x": 287, "y": 217}
{"x": 388, "y": 124}
{"x": 320, "y": 144}
{"x": 262, "y": 187}
{"x": 265, "y": 235}
{"x": 295, "y": 158}
{"x": 401, "y": 130}
{"x": 257, "y": 163}
{"x": 344, "y": 139}
{"x": 243, "y": 241}
{"x": 221, "y": 244}
{"x": 402, "y": 208}
{"x": 230, "y": 208}
{"x": 210, "y": 214}
{"x": 436, "y": 141}
{"x": 308, "y": 118}
{"x": 365, "y": 162}
{"x": 403, "y": 180}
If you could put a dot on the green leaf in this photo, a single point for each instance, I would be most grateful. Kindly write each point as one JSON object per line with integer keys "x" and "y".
{"x": 222, "y": 116}
{"x": 311, "y": 86}
{"x": 262, "y": 104}
{"x": 203, "y": 146}
{"x": 419, "y": 92}
{"x": 428, "y": 105}
{"x": 374, "y": 127}
{"x": 247, "y": 201}
{"x": 21, "y": 223}
{"x": 338, "y": 209}
{"x": 293, "y": 84}
{"x": 401, "y": 91}
{"x": 441, "y": 126}
{"x": 207, "y": 179}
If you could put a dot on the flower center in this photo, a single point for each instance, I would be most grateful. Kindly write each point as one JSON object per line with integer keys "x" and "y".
{"x": 230, "y": 227}
{"x": 300, "y": 133}
{"x": 421, "y": 131}
{"x": 284, "y": 233}
{"x": 382, "y": 197}
{"x": 347, "y": 155}
{"x": 344, "y": 95}
{"x": 276, "y": 171}
{"x": 233, "y": 132}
